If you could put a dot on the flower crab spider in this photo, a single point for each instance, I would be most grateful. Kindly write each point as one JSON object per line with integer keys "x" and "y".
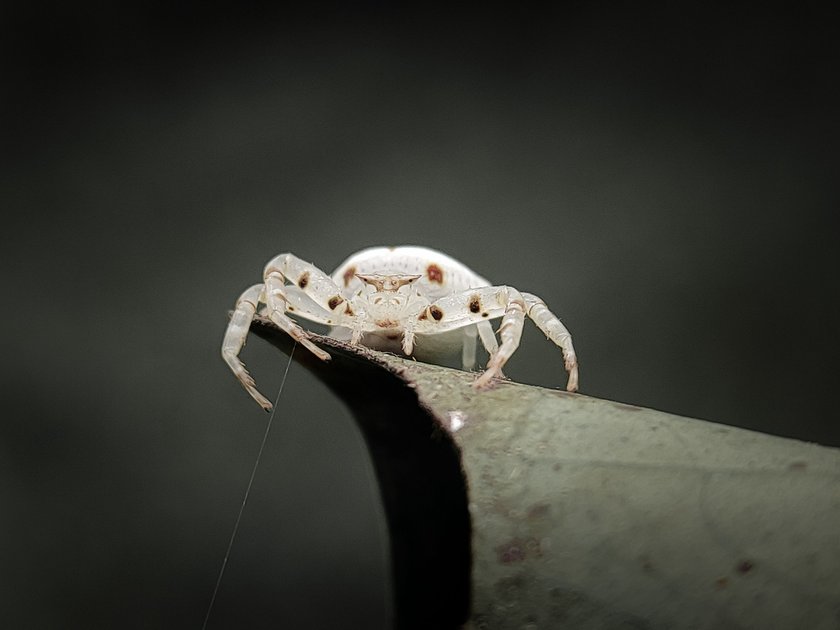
{"x": 413, "y": 300}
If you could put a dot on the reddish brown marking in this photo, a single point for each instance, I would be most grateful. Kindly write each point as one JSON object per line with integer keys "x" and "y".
{"x": 424, "y": 314}
{"x": 511, "y": 552}
{"x": 516, "y": 550}
{"x": 434, "y": 274}
{"x": 386, "y": 323}
{"x": 349, "y": 275}
{"x": 393, "y": 336}
{"x": 485, "y": 314}
{"x": 475, "y": 304}
{"x": 538, "y": 511}
{"x": 335, "y": 301}
{"x": 436, "y": 312}
{"x": 745, "y": 566}
{"x": 303, "y": 280}
{"x": 348, "y": 309}
{"x": 721, "y": 583}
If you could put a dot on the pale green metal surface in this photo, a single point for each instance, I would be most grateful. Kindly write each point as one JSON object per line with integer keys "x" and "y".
{"x": 593, "y": 514}
{"x": 588, "y": 513}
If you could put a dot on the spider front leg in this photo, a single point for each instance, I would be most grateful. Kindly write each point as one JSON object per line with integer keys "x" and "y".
{"x": 475, "y": 306}
{"x": 510, "y": 332}
{"x": 554, "y": 329}
{"x": 485, "y": 303}
{"x": 314, "y": 284}
{"x": 235, "y": 337}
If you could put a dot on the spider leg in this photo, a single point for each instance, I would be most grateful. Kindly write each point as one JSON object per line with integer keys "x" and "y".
{"x": 554, "y": 329}
{"x": 510, "y": 332}
{"x": 488, "y": 340}
{"x": 408, "y": 339}
{"x": 488, "y": 337}
{"x": 317, "y": 285}
{"x": 301, "y": 305}
{"x": 235, "y": 337}
{"x": 468, "y": 350}
{"x": 311, "y": 282}
{"x": 474, "y": 306}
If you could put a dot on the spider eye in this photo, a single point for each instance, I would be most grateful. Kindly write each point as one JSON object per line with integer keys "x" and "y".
{"x": 388, "y": 283}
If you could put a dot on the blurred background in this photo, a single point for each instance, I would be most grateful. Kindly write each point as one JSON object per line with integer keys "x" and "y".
{"x": 664, "y": 178}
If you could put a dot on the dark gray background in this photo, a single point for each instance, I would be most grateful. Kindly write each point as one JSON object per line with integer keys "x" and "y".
{"x": 664, "y": 179}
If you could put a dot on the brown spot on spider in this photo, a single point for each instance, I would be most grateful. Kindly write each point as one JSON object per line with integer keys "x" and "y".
{"x": 435, "y": 312}
{"x": 303, "y": 280}
{"x": 335, "y": 301}
{"x": 387, "y": 323}
{"x": 475, "y": 304}
{"x": 424, "y": 314}
{"x": 348, "y": 275}
{"x": 348, "y": 310}
{"x": 434, "y": 273}
{"x": 485, "y": 314}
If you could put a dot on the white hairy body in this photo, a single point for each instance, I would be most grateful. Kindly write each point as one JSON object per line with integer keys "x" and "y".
{"x": 410, "y": 300}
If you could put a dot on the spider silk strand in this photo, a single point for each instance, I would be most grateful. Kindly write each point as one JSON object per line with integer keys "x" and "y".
{"x": 247, "y": 491}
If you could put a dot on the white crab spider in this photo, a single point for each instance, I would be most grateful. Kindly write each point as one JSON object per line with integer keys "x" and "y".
{"x": 410, "y": 299}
